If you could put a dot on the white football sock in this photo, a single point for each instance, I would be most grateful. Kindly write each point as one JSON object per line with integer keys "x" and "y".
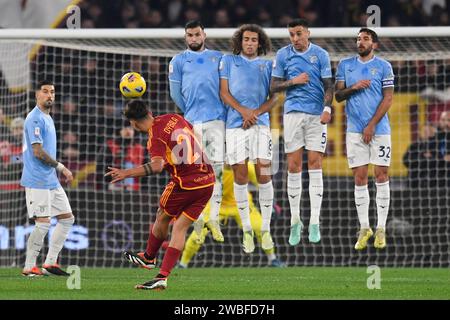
{"x": 35, "y": 242}
{"x": 362, "y": 200}
{"x": 58, "y": 238}
{"x": 241, "y": 196}
{"x": 383, "y": 198}
{"x": 266, "y": 203}
{"x": 315, "y": 194}
{"x": 294, "y": 190}
{"x": 216, "y": 198}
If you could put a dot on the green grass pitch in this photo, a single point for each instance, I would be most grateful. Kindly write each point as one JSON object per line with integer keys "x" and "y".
{"x": 293, "y": 283}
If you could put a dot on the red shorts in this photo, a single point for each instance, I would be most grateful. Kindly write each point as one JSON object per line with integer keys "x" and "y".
{"x": 175, "y": 201}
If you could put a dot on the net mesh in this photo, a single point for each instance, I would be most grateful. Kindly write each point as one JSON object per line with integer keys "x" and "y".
{"x": 92, "y": 135}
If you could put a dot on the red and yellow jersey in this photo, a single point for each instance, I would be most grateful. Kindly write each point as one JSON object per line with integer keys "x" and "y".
{"x": 172, "y": 139}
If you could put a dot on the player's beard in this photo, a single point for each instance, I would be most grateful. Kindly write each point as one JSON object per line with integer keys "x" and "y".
{"x": 366, "y": 52}
{"x": 195, "y": 46}
{"x": 48, "y": 104}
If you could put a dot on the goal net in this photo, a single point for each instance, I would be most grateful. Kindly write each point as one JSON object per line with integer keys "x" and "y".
{"x": 86, "y": 66}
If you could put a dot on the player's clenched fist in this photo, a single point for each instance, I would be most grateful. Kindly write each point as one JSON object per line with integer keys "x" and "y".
{"x": 302, "y": 78}
{"x": 361, "y": 84}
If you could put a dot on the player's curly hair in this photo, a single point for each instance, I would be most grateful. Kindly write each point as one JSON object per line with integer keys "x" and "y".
{"x": 264, "y": 43}
{"x": 135, "y": 110}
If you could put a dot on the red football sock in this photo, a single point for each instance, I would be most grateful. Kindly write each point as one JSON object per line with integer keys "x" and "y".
{"x": 153, "y": 245}
{"x": 169, "y": 261}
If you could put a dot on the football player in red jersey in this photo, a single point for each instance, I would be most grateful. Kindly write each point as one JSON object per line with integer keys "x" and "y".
{"x": 173, "y": 147}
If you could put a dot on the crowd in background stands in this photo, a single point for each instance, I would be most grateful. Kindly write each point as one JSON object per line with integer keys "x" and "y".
{"x": 93, "y": 135}
{"x": 267, "y": 13}
{"x": 91, "y": 139}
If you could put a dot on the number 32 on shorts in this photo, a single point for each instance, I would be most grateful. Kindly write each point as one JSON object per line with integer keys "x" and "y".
{"x": 384, "y": 152}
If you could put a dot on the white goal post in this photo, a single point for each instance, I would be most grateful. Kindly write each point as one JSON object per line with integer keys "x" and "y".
{"x": 86, "y": 65}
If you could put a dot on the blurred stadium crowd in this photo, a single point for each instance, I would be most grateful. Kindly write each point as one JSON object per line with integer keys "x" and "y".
{"x": 267, "y": 13}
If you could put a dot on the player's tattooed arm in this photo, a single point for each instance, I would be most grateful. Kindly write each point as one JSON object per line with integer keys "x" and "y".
{"x": 278, "y": 84}
{"x": 43, "y": 156}
{"x": 342, "y": 93}
{"x": 329, "y": 91}
{"x": 325, "y": 117}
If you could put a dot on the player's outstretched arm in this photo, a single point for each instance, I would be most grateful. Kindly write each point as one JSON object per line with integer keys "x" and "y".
{"x": 156, "y": 165}
{"x": 45, "y": 158}
{"x": 342, "y": 93}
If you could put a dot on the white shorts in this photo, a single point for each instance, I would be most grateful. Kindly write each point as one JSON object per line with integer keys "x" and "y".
{"x": 377, "y": 152}
{"x": 212, "y": 136}
{"x": 304, "y": 130}
{"x": 46, "y": 203}
{"x": 253, "y": 143}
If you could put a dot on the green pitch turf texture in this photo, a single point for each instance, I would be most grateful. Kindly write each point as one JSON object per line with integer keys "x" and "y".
{"x": 292, "y": 283}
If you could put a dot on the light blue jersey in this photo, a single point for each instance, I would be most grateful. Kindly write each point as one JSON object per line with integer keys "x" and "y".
{"x": 198, "y": 74}
{"x": 315, "y": 61}
{"x": 39, "y": 128}
{"x": 248, "y": 83}
{"x": 362, "y": 105}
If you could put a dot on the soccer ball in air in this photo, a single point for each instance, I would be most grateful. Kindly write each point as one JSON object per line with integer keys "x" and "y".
{"x": 132, "y": 85}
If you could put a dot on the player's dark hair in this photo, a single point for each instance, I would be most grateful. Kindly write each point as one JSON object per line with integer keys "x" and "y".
{"x": 264, "y": 43}
{"x": 298, "y": 22}
{"x": 372, "y": 33}
{"x": 135, "y": 110}
{"x": 44, "y": 82}
{"x": 193, "y": 24}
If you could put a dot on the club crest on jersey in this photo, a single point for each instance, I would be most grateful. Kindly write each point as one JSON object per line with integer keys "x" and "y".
{"x": 262, "y": 67}
{"x": 214, "y": 59}
{"x": 313, "y": 59}
{"x": 373, "y": 71}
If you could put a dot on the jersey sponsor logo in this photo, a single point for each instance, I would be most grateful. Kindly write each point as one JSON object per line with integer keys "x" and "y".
{"x": 37, "y": 131}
